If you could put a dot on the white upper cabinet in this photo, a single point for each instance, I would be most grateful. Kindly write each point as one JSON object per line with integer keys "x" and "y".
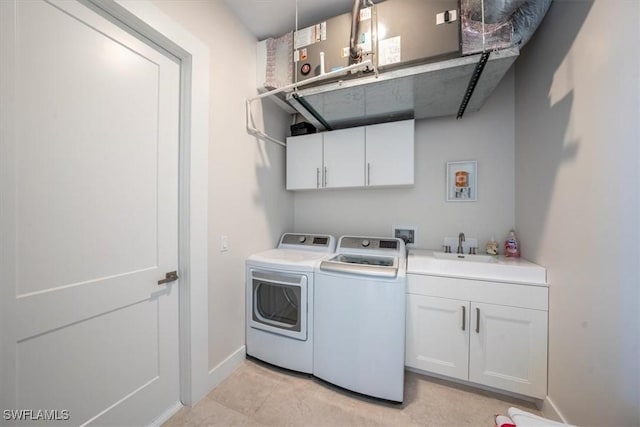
{"x": 371, "y": 156}
{"x": 390, "y": 154}
{"x": 304, "y": 162}
{"x": 344, "y": 158}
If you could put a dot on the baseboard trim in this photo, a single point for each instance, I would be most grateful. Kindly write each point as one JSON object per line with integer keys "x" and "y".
{"x": 477, "y": 387}
{"x": 223, "y": 369}
{"x": 551, "y": 411}
{"x": 164, "y": 417}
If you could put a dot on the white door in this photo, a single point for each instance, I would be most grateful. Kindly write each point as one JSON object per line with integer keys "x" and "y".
{"x": 88, "y": 218}
{"x": 304, "y": 162}
{"x": 438, "y": 335}
{"x": 344, "y": 158}
{"x": 508, "y": 348}
{"x": 390, "y": 153}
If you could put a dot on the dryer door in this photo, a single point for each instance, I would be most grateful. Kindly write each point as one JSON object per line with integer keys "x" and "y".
{"x": 279, "y": 303}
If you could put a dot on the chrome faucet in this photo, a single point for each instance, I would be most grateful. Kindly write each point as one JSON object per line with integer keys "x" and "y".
{"x": 460, "y": 240}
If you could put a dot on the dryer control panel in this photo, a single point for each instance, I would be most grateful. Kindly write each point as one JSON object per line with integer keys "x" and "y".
{"x": 321, "y": 242}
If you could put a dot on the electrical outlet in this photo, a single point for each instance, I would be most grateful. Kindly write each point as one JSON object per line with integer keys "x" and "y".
{"x": 406, "y": 233}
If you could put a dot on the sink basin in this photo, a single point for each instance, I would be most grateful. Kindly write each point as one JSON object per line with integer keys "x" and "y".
{"x": 464, "y": 257}
{"x": 480, "y": 267}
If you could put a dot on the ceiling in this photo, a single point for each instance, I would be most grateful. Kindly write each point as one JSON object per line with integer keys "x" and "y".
{"x": 273, "y": 18}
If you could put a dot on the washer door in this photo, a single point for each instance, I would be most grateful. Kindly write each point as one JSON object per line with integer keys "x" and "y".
{"x": 279, "y": 303}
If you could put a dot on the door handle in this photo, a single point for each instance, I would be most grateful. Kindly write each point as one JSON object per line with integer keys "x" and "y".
{"x": 477, "y": 320}
{"x": 317, "y": 177}
{"x": 368, "y": 173}
{"x": 325, "y": 177}
{"x": 171, "y": 276}
{"x": 464, "y": 317}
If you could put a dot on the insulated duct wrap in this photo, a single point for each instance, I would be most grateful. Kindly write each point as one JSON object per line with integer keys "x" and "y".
{"x": 506, "y": 23}
{"x": 495, "y": 11}
{"x": 474, "y": 40}
{"x": 527, "y": 18}
{"x": 278, "y": 63}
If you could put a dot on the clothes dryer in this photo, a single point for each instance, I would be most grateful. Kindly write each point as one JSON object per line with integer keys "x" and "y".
{"x": 279, "y": 300}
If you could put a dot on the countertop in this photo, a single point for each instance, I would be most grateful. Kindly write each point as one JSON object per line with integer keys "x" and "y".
{"x": 497, "y": 269}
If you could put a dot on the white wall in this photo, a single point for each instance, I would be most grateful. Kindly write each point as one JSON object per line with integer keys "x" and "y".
{"x": 577, "y": 187}
{"x": 247, "y": 200}
{"x": 486, "y": 136}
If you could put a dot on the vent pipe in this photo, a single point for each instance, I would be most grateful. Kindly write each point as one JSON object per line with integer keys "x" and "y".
{"x": 354, "y": 53}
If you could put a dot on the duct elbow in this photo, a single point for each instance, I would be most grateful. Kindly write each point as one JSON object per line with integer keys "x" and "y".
{"x": 527, "y": 18}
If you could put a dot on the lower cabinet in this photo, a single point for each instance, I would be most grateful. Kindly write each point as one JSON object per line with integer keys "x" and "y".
{"x": 496, "y": 345}
{"x": 437, "y": 337}
{"x": 508, "y": 348}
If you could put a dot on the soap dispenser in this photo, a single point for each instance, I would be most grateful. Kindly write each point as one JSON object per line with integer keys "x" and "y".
{"x": 492, "y": 247}
{"x": 512, "y": 246}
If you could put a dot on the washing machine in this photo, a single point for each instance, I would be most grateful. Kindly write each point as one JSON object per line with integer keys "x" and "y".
{"x": 359, "y": 319}
{"x": 279, "y": 300}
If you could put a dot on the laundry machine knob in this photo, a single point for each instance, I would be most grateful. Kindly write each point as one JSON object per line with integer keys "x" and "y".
{"x": 365, "y": 243}
{"x": 302, "y": 239}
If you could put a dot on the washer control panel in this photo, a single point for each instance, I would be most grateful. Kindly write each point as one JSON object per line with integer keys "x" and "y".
{"x": 348, "y": 242}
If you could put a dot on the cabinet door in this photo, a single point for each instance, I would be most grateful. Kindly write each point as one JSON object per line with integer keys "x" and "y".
{"x": 508, "y": 348}
{"x": 304, "y": 162}
{"x": 438, "y": 335}
{"x": 344, "y": 158}
{"x": 390, "y": 153}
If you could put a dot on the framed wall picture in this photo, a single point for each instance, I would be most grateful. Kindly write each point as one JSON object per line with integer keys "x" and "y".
{"x": 462, "y": 181}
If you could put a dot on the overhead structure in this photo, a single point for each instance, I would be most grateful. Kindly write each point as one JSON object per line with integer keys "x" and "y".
{"x": 420, "y": 92}
{"x": 416, "y": 59}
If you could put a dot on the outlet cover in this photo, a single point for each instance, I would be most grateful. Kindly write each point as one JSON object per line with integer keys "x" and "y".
{"x": 406, "y": 232}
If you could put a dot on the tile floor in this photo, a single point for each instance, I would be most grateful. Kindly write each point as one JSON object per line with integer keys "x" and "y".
{"x": 257, "y": 394}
